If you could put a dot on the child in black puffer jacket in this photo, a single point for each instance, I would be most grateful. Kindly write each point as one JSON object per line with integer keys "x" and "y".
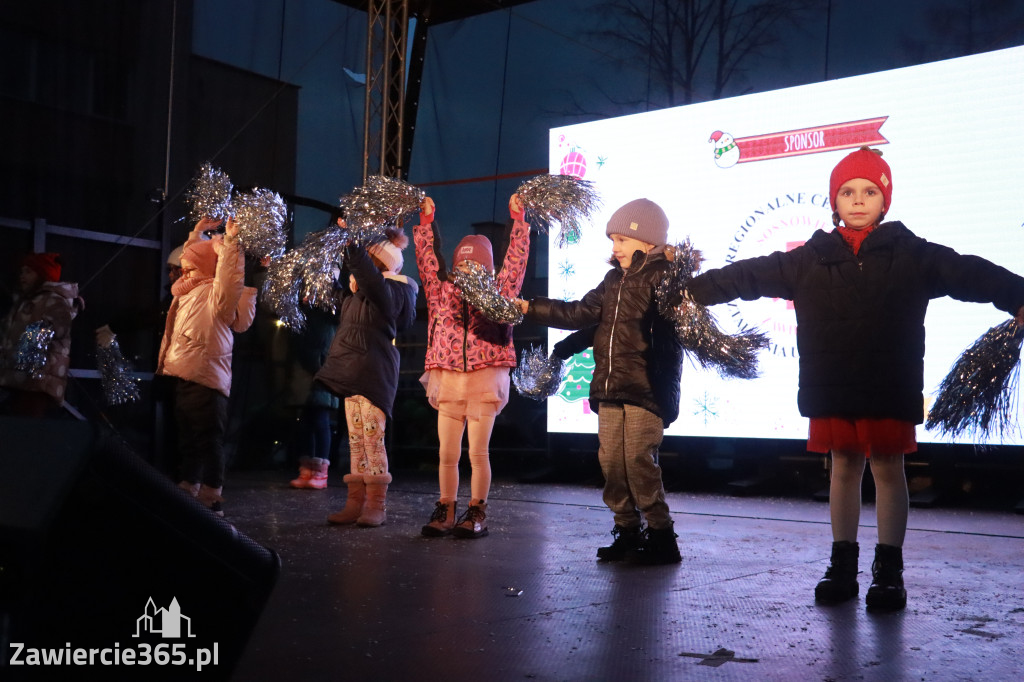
{"x": 860, "y": 293}
{"x": 635, "y": 389}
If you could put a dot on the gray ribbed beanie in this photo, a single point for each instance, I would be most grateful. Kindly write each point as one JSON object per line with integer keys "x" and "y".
{"x": 640, "y": 219}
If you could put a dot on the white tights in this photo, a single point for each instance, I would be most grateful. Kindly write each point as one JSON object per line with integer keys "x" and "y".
{"x": 892, "y": 499}
{"x": 449, "y": 435}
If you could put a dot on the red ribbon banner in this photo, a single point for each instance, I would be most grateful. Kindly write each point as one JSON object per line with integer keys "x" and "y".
{"x": 815, "y": 140}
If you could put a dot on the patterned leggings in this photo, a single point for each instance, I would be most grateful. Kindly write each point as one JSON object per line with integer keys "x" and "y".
{"x": 366, "y": 424}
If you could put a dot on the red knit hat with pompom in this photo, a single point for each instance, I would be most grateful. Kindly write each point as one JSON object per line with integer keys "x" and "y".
{"x": 46, "y": 265}
{"x": 864, "y": 163}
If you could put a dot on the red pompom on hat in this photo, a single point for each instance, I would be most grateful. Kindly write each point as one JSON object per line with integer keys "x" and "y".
{"x": 46, "y": 265}
{"x": 475, "y": 247}
{"x": 864, "y": 163}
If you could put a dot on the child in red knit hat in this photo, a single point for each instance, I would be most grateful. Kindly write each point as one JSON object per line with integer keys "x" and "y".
{"x": 860, "y": 293}
{"x": 42, "y": 301}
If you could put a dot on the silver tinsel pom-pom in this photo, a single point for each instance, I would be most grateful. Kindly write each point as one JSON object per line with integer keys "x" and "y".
{"x": 305, "y": 274}
{"x": 209, "y": 194}
{"x": 538, "y": 376}
{"x": 380, "y": 202}
{"x": 481, "y": 291}
{"x": 33, "y": 348}
{"x": 119, "y": 386}
{"x": 563, "y": 199}
{"x": 320, "y": 253}
{"x": 733, "y": 355}
{"x": 280, "y": 290}
{"x": 979, "y": 395}
{"x": 261, "y": 215}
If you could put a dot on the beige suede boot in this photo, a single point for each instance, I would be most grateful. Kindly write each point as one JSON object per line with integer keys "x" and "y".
{"x": 375, "y": 508}
{"x": 353, "y": 504}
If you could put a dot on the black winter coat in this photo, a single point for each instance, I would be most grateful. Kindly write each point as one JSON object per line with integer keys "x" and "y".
{"x": 860, "y": 319}
{"x": 638, "y": 359}
{"x": 363, "y": 359}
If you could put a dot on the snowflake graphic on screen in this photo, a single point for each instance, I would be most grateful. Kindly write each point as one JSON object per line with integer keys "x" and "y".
{"x": 568, "y": 295}
{"x": 566, "y": 269}
{"x": 706, "y": 407}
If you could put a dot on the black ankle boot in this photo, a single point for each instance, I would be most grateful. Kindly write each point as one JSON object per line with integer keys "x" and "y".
{"x": 840, "y": 581}
{"x": 625, "y": 540}
{"x": 658, "y": 547}
{"x": 886, "y": 592}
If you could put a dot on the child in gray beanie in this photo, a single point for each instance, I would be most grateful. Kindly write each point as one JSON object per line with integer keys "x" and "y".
{"x": 635, "y": 389}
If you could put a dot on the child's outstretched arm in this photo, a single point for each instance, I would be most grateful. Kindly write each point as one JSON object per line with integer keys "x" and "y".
{"x": 772, "y": 275}
{"x": 550, "y": 312}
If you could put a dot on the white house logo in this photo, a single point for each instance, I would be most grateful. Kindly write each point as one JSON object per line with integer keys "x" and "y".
{"x": 167, "y": 622}
{"x": 780, "y": 224}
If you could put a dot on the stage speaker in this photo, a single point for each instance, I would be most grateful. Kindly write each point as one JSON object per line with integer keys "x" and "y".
{"x": 108, "y": 571}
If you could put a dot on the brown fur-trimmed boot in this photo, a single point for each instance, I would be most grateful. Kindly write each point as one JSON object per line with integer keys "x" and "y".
{"x": 442, "y": 520}
{"x": 353, "y": 503}
{"x": 375, "y": 508}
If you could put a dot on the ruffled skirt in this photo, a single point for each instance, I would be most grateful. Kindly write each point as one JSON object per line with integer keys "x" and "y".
{"x": 467, "y": 395}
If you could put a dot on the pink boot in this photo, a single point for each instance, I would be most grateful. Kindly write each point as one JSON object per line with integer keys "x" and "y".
{"x": 319, "y": 468}
{"x": 375, "y": 511}
{"x": 354, "y": 504}
{"x": 312, "y": 474}
{"x": 305, "y": 473}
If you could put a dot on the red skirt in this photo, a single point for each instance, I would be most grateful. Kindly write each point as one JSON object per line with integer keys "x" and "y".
{"x": 883, "y": 436}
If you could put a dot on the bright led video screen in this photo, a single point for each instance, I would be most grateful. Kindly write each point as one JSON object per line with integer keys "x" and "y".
{"x": 748, "y": 176}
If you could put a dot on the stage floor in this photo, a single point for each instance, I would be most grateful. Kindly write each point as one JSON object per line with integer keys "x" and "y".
{"x": 530, "y": 602}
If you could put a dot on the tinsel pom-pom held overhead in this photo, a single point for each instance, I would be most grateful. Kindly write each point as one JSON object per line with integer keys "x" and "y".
{"x": 563, "y": 199}
{"x": 209, "y": 194}
{"x": 538, "y": 376}
{"x": 380, "y": 202}
{"x": 979, "y": 395}
{"x": 480, "y": 290}
{"x": 261, "y": 215}
{"x": 733, "y": 355}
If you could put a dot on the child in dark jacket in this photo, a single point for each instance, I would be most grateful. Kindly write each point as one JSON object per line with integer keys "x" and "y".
{"x": 860, "y": 293}
{"x": 362, "y": 368}
{"x": 42, "y": 301}
{"x": 467, "y": 364}
{"x": 635, "y": 389}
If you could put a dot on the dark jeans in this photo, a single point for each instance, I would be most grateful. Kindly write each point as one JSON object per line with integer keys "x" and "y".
{"x": 202, "y": 415}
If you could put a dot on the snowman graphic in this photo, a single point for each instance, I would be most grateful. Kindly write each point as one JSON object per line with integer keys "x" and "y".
{"x": 727, "y": 154}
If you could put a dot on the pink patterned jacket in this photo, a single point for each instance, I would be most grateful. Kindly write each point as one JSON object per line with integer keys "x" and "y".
{"x": 459, "y": 338}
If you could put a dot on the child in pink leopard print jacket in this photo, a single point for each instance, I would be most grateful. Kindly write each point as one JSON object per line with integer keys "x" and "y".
{"x": 467, "y": 364}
